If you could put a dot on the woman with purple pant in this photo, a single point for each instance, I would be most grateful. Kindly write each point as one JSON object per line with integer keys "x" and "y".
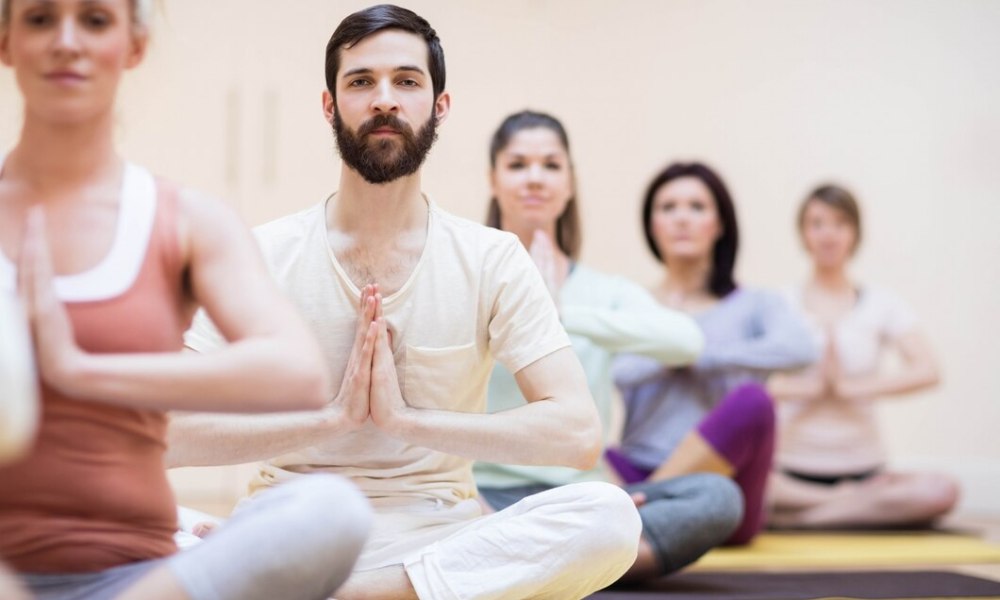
{"x": 714, "y": 416}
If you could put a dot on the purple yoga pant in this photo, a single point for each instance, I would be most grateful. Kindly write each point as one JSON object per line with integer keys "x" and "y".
{"x": 741, "y": 430}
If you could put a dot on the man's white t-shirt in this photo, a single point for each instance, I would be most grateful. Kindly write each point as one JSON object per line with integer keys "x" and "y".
{"x": 474, "y": 296}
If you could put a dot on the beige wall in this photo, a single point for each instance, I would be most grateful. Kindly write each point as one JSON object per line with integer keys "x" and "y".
{"x": 897, "y": 99}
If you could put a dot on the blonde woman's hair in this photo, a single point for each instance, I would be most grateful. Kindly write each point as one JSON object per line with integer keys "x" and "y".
{"x": 142, "y": 12}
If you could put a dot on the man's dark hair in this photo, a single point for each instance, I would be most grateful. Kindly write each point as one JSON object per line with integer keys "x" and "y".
{"x": 374, "y": 19}
{"x": 720, "y": 280}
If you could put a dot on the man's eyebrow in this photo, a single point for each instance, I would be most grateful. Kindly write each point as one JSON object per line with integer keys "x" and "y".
{"x": 368, "y": 71}
{"x": 409, "y": 68}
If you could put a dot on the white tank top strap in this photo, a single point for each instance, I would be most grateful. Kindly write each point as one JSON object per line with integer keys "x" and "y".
{"x": 119, "y": 269}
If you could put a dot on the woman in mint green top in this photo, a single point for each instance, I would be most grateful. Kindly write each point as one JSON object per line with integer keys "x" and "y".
{"x": 534, "y": 196}
{"x": 604, "y": 315}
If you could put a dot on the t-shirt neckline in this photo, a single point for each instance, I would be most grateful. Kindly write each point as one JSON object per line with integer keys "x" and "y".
{"x": 345, "y": 279}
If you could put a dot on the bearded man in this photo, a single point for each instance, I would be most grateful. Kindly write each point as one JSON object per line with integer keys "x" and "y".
{"x": 412, "y": 306}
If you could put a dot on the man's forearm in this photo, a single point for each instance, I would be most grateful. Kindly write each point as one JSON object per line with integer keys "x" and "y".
{"x": 199, "y": 439}
{"x": 539, "y": 433}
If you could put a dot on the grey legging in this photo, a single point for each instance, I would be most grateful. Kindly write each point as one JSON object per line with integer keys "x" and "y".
{"x": 683, "y": 518}
{"x": 297, "y": 541}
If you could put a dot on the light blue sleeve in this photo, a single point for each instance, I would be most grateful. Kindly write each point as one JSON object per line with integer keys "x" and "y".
{"x": 636, "y": 324}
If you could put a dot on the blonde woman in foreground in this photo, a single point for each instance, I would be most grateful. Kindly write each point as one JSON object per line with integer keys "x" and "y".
{"x": 111, "y": 263}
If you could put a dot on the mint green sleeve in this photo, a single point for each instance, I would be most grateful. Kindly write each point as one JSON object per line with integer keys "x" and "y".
{"x": 637, "y": 324}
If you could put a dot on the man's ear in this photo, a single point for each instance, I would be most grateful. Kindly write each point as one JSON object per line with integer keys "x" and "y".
{"x": 442, "y": 106}
{"x": 329, "y": 106}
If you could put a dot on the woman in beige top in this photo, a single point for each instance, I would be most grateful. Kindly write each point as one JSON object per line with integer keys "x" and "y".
{"x": 830, "y": 467}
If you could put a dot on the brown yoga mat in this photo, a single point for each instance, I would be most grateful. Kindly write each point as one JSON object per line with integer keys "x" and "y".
{"x": 808, "y": 586}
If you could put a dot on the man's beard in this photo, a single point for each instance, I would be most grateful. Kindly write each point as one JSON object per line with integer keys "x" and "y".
{"x": 386, "y": 159}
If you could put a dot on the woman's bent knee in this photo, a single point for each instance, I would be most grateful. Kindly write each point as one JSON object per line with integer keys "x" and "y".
{"x": 753, "y": 401}
{"x": 939, "y": 493}
{"x": 336, "y": 509}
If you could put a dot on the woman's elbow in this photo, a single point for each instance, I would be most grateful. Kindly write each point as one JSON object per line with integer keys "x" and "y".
{"x": 803, "y": 354}
{"x": 684, "y": 346}
{"x": 697, "y": 336}
{"x": 309, "y": 384}
{"x": 315, "y": 389}
{"x": 932, "y": 376}
{"x": 694, "y": 347}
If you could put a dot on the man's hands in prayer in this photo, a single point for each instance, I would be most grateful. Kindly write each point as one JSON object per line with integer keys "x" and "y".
{"x": 370, "y": 387}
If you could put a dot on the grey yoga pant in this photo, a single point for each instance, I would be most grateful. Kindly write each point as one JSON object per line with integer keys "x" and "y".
{"x": 297, "y": 541}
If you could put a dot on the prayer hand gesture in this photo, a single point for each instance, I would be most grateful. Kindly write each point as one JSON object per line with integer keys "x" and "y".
{"x": 351, "y": 407}
{"x": 58, "y": 357}
{"x": 837, "y": 383}
{"x": 551, "y": 264}
{"x": 370, "y": 386}
{"x": 387, "y": 403}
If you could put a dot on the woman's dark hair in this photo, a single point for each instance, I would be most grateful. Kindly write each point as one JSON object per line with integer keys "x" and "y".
{"x": 720, "y": 279}
{"x": 568, "y": 234}
{"x": 359, "y": 25}
{"x": 838, "y": 198}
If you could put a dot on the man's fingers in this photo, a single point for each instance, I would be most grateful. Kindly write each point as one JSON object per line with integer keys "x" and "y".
{"x": 366, "y": 292}
{"x": 368, "y": 350}
{"x": 364, "y": 318}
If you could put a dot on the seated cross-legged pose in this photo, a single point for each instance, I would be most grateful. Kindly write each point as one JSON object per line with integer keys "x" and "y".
{"x": 714, "y": 415}
{"x": 412, "y": 305}
{"x": 533, "y": 183}
{"x": 829, "y": 469}
{"x": 111, "y": 263}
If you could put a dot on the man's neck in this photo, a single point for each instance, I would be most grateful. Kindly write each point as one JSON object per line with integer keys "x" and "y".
{"x": 380, "y": 211}
{"x": 378, "y": 232}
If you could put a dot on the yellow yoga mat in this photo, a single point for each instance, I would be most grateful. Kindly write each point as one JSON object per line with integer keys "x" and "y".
{"x": 783, "y": 550}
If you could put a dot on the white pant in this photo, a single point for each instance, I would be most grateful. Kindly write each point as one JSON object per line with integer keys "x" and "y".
{"x": 563, "y": 543}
